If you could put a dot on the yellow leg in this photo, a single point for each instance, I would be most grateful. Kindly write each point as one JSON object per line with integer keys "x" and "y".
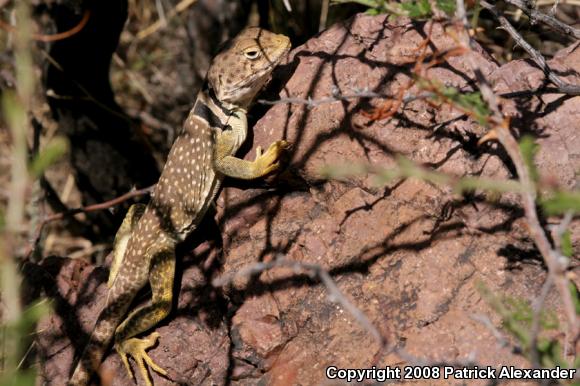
{"x": 144, "y": 318}
{"x": 122, "y": 239}
{"x": 268, "y": 162}
{"x": 234, "y": 167}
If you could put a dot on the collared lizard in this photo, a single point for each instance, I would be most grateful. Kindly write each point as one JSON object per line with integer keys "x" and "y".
{"x": 202, "y": 155}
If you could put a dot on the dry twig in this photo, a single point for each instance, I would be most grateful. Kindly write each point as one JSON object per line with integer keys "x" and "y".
{"x": 337, "y": 96}
{"x": 548, "y": 20}
{"x": 536, "y": 56}
{"x": 83, "y": 209}
{"x": 314, "y": 270}
{"x": 99, "y": 206}
{"x": 538, "y": 306}
{"x": 162, "y": 22}
{"x": 55, "y": 37}
{"x": 500, "y": 130}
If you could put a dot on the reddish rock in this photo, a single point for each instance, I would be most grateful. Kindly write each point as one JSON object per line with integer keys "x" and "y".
{"x": 408, "y": 254}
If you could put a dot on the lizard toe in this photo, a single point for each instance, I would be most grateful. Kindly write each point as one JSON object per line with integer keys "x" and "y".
{"x": 136, "y": 347}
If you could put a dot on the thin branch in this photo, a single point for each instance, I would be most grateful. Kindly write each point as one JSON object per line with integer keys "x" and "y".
{"x": 556, "y": 263}
{"x": 160, "y": 11}
{"x": 540, "y": 3}
{"x": 287, "y": 5}
{"x": 486, "y": 91}
{"x": 162, "y": 22}
{"x": 536, "y": 56}
{"x": 15, "y": 107}
{"x": 538, "y": 306}
{"x": 487, "y": 323}
{"x": 337, "y": 96}
{"x": 323, "y": 15}
{"x": 558, "y": 231}
{"x": 404, "y": 168}
{"x": 83, "y": 209}
{"x": 100, "y": 206}
{"x": 55, "y": 37}
{"x": 550, "y": 21}
{"x": 314, "y": 270}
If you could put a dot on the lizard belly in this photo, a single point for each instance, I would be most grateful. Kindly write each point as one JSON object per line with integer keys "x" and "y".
{"x": 188, "y": 182}
{"x": 208, "y": 192}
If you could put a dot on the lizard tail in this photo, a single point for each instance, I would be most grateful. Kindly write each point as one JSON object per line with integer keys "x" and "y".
{"x": 99, "y": 341}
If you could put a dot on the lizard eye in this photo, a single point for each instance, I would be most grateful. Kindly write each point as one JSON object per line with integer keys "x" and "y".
{"x": 252, "y": 54}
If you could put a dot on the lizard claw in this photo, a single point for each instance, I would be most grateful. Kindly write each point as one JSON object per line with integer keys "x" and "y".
{"x": 267, "y": 162}
{"x": 136, "y": 348}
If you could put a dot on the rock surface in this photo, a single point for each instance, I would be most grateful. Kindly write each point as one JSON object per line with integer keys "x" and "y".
{"x": 409, "y": 254}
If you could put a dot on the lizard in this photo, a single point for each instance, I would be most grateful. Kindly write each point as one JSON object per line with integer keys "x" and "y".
{"x": 202, "y": 155}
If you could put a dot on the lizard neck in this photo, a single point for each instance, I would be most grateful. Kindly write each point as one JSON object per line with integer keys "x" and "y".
{"x": 213, "y": 111}
{"x": 221, "y": 116}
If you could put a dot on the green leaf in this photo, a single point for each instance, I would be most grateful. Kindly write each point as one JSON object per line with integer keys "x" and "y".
{"x": 417, "y": 9}
{"x": 20, "y": 378}
{"x": 366, "y": 3}
{"x": 549, "y": 351}
{"x": 475, "y": 17}
{"x": 376, "y": 7}
{"x": 529, "y": 148}
{"x": 470, "y": 101}
{"x": 14, "y": 112}
{"x": 517, "y": 319}
{"x": 566, "y": 243}
{"x": 577, "y": 365}
{"x": 55, "y": 149}
{"x": 447, "y": 6}
{"x": 562, "y": 202}
{"x": 15, "y": 336}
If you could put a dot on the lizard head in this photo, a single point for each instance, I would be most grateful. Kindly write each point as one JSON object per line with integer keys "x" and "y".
{"x": 244, "y": 65}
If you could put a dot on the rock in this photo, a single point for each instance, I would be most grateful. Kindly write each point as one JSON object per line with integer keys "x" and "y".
{"x": 409, "y": 254}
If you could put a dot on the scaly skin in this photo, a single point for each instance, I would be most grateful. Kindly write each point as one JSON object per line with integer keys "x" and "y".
{"x": 202, "y": 155}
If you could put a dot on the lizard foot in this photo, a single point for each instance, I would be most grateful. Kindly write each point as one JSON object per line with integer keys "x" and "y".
{"x": 136, "y": 348}
{"x": 268, "y": 162}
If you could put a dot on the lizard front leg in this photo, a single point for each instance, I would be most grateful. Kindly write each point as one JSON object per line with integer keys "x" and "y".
{"x": 264, "y": 163}
{"x": 161, "y": 276}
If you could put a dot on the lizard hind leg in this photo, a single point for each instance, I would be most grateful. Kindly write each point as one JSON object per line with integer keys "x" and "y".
{"x": 122, "y": 239}
{"x": 161, "y": 277}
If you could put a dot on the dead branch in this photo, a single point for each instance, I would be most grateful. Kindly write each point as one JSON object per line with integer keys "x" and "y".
{"x": 162, "y": 22}
{"x": 486, "y": 91}
{"x": 83, "y": 209}
{"x": 548, "y": 20}
{"x": 556, "y": 263}
{"x": 314, "y": 271}
{"x": 487, "y": 323}
{"x": 337, "y": 96}
{"x": 55, "y": 37}
{"x": 538, "y": 306}
{"x": 100, "y": 206}
{"x": 559, "y": 230}
{"x": 536, "y": 56}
